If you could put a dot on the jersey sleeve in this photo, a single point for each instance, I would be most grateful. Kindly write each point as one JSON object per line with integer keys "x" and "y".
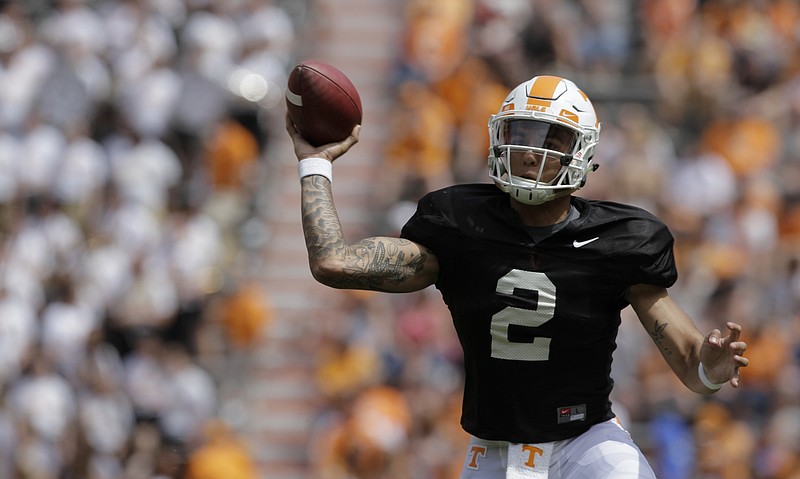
{"x": 637, "y": 245}
{"x": 653, "y": 258}
{"x": 430, "y": 225}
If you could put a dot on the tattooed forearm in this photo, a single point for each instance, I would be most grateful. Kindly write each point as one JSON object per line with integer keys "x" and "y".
{"x": 373, "y": 263}
{"x": 321, "y": 227}
{"x": 658, "y": 337}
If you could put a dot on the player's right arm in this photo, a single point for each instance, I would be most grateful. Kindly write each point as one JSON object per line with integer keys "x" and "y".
{"x": 378, "y": 263}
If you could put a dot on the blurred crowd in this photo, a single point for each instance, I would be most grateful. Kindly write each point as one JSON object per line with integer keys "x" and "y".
{"x": 133, "y": 137}
{"x": 132, "y": 140}
{"x": 700, "y": 105}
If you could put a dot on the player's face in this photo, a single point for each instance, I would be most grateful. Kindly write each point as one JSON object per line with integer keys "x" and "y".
{"x": 528, "y": 163}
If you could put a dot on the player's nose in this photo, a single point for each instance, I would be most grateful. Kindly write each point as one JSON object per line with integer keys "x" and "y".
{"x": 531, "y": 158}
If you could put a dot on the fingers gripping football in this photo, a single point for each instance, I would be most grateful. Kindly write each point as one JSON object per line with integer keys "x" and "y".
{"x": 330, "y": 151}
{"x": 322, "y": 102}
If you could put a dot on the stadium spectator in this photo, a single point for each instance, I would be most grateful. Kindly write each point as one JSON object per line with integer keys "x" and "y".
{"x": 220, "y": 454}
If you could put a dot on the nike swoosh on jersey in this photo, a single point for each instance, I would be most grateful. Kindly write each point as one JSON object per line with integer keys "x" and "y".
{"x": 578, "y": 244}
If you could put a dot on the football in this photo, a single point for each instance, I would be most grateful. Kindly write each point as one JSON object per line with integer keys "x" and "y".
{"x": 322, "y": 102}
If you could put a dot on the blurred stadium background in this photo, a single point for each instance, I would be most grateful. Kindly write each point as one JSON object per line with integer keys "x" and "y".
{"x": 157, "y": 316}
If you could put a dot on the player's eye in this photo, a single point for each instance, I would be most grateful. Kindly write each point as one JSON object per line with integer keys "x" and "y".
{"x": 554, "y": 144}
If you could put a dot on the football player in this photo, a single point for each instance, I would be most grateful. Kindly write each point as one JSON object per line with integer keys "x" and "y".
{"x": 535, "y": 279}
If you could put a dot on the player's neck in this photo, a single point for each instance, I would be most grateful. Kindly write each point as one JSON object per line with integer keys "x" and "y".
{"x": 546, "y": 214}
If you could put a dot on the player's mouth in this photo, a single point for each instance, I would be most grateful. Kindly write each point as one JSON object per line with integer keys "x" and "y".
{"x": 530, "y": 175}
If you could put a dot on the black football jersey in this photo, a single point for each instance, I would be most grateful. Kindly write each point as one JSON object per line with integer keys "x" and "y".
{"x": 537, "y": 320}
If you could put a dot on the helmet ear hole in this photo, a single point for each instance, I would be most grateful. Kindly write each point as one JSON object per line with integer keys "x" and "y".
{"x": 566, "y": 160}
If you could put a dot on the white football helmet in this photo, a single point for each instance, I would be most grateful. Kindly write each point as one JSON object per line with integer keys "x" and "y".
{"x": 552, "y": 118}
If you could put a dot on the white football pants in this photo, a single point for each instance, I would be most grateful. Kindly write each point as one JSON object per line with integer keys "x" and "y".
{"x": 605, "y": 451}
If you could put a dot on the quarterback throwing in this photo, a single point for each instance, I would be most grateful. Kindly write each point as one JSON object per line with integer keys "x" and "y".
{"x": 535, "y": 279}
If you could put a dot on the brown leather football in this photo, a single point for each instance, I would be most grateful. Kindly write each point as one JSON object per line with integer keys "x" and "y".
{"x": 322, "y": 102}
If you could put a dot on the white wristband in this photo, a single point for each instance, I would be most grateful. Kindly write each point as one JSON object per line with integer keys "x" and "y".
{"x": 701, "y": 371}
{"x": 315, "y": 166}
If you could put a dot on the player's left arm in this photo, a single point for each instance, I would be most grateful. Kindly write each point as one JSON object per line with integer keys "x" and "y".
{"x": 682, "y": 345}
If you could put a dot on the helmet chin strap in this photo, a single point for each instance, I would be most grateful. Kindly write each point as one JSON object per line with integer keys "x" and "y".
{"x": 564, "y": 193}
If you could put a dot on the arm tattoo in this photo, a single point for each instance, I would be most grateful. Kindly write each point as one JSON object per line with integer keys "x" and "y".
{"x": 368, "y": 264}
{"x": 321, "y": 227}
{"x": 658, "y": 337}
{"x": 371, "y": 264}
